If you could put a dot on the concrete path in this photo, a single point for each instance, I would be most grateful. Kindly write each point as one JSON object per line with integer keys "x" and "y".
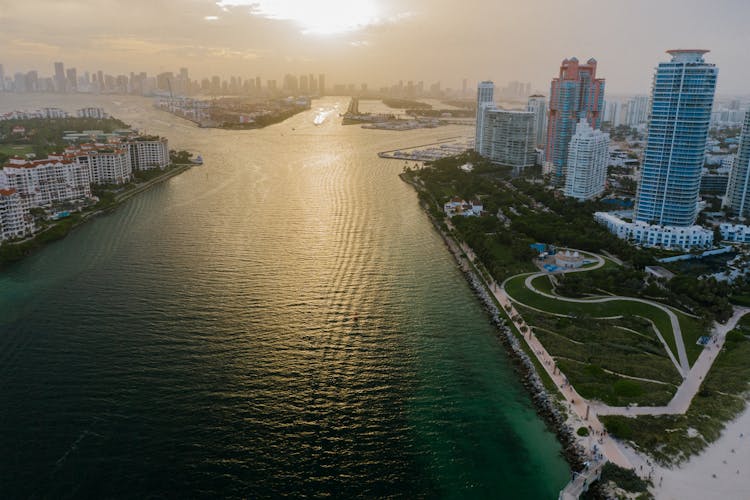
{"x": 587, "y": 412}
{"x": 684, "y": 365}
{"x": 690, "y": 386}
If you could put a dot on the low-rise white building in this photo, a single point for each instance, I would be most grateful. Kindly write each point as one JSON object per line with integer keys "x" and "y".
{"x": 735, "y": 233}
{"x": 569, "y": 260}
{"x": 457, "y": 206}
{"x": 97, "y": 113}
{"x": 652, "y": 235}
{"x": 15, "y": 221}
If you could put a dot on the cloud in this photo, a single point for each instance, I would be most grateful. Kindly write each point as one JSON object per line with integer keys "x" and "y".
{"x": 321, "y": 17}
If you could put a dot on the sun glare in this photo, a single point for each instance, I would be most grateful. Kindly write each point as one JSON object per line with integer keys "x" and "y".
{"x": 322, "y": 17}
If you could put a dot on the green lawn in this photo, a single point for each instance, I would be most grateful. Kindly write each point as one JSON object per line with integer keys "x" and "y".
{"x": 692, "y": 328}
{"x": 543, "y": 284}
{"x": 720, "y": 399}
{"x": 14, "y": 149}
{"x": 587, "y": 350}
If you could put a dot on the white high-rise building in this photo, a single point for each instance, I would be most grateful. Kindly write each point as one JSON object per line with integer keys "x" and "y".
{"x": 106, "y": 163}
{"x": 44, "y": 182}
{"x": 15, "y": 221}
{"x": 508, "y": 137}
{"x": 586, "y": 168}
{"x": 738, "y": 189}
{"x": 637, "y": 111}
{"x": 485, "y": 98}
{"x": 613, "y": 113}
{"x": 538, "y": 105}
{"x": 149, "y": 152}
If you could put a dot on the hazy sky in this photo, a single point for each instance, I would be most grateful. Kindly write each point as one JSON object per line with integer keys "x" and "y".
{"x": 378, "y": 41}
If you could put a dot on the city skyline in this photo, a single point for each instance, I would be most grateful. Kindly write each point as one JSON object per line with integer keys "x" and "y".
{"x": 355, "y": 43}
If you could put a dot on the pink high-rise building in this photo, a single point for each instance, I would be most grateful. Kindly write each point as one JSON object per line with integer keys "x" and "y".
{"x": 575, "y": 94}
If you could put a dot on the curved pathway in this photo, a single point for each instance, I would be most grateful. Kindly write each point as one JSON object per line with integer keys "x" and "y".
{"x": 586, "y": 413}
{"x": 684, "y": 364}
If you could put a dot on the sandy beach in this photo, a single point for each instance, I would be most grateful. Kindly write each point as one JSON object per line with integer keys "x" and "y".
{"x": 721, "y": 471}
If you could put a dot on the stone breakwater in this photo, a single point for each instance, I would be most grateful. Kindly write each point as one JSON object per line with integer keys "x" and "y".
{"x": 572, "y": 451}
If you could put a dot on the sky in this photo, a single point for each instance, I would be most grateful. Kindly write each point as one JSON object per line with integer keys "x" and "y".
{"x": 378, "y": 41}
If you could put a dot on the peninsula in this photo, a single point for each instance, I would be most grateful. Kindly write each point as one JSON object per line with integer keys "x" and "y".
{"x": 645, "y": 366}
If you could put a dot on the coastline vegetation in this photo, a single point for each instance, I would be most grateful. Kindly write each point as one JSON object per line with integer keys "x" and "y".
{"x": 43, "y": 136}
{"x": 602, "y": 358}
{"x": 109, "y": 197}
{"x": 406, "y": 104}
{"x": 671, "y": 439}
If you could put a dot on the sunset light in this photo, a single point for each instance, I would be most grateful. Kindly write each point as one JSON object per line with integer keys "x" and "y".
{"x": 324, "y": 17}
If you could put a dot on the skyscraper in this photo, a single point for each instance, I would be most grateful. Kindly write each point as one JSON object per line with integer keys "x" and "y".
{"x": 586, "y": 169}
{"x": 485, "y": 98}
{"x": 538, "y": 105}
{"x": 576, "y": 93}
{"x": 508, "y": 137}
{"x": 738, "y": 190}
{"x": 637, "y": 110}
{"x": 322, "y": 84}
{"x": 59, "y": 77}
{"x": 681, "y": 102}
{"x": 2, "y": 78}
{"x": 71, "y": 76}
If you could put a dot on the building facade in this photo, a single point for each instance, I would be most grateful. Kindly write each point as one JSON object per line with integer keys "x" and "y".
{"x": 40, "y": 183}
{"x": 508, "y": 137}
{"x": 637, "y": 111}
{"x": 682, "y": 99}
{"x": 738, "y": 189}
{"x": 92, "y": 112}
{"x": 15, "y": 221}
{"x": 485, "y": 98}
{"x": 149, "y": 152}
{"x": 538, "y": 105}
{"x": 576, "y": 93}
{"x": 655, "y": 235}
{"x": 106, "y": 163}
{"x": 586, "y": 168}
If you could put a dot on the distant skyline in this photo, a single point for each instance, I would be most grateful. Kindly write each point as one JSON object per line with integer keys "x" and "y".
{"x": 377, "y": 41}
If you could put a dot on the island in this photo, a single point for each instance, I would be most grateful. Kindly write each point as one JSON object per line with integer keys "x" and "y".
{"x": 59, "y": 171}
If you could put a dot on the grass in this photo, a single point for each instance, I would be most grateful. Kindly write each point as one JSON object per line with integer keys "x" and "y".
{"x": 15, "y": 149}
{"x": 516, "y": 288}
{"x": 587, "y": 350}
{"x": 721, "y": 397}
{"x": 543, "y": 284}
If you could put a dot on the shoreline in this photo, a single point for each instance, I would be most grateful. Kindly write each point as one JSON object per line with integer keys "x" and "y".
{"x": 37, "y": 241}
{"x": 720, "y": 470}
{"x": 543, "y": 403}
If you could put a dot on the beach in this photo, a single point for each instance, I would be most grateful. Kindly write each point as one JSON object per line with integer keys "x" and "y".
{"x": 721, "y": 471}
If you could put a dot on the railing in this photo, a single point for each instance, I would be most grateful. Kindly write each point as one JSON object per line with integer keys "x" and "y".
{"x": 582, "y": 481}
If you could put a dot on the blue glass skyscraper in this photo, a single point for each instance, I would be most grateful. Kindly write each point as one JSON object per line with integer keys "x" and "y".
{"x": 681, "y": 102}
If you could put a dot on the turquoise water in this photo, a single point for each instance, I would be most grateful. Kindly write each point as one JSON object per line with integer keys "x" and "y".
{"x": 282, "y": 320}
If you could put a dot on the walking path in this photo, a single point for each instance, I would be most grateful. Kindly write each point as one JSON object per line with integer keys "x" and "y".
{"x": 581, "y": 482}
{"x": 585, "y": 412}
{"x": 684, "y": 365}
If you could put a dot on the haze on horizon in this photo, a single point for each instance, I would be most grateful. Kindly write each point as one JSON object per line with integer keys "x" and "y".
{"x": 377, "y": 41}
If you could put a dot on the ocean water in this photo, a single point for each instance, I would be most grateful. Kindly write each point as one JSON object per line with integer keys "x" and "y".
{"x": 282, "y": 320}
